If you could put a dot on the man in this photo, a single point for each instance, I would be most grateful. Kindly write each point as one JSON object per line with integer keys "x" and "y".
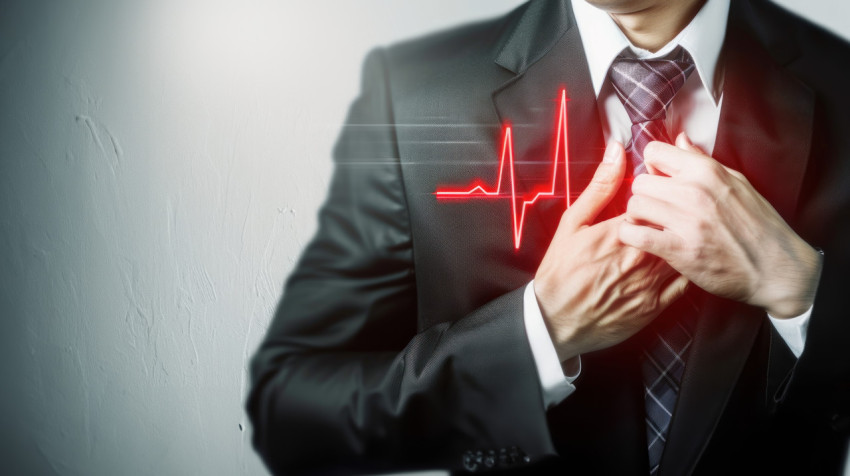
{"x": 674, "y": 319}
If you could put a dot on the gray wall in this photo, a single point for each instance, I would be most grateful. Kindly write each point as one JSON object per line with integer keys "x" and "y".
{"x": 161, "y": 164}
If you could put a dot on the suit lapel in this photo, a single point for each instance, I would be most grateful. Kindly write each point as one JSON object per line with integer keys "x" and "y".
{"x": 607, "y": 412}
{"x": 546, "y": 61}
{"x": 765, "y": 132}
{"x": 724, "y": 336}
{"x": 766, "y": 123}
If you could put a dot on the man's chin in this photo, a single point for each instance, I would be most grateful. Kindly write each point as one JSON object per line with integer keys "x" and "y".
{"x": 623, "y": 7}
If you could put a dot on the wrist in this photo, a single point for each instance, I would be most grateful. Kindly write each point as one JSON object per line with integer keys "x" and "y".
{"x": 788, "y": 310}
{"x": 559, "y": 334}
{"x": 564, "y": 344}
{"x": 794, "y": 290}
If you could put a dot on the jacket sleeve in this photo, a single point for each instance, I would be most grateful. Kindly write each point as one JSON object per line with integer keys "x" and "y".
{"x": 343, "y": 380}
{"x": 814, "y": 396}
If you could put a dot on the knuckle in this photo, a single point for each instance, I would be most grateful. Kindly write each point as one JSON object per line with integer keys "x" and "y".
{"x": 715, "y": 170}
{"x": 596, "y": 186}
{"x": 702, "y": 228}
{"x": 693, "y": 252}
{"x": 605, "y": 173}
{"x": 734, "y": 173}
{"x": 642, "y": 240}
{"x": 709, "y": 173}
{"x": 738, "y": 175}
{"x": 703, "y": 198}
{"x": 725, "y": 190}
{"x": 695, "y": 196}
{"x": 600, "y": 183}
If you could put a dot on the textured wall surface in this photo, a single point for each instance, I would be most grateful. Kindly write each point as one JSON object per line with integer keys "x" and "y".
{"x": 161, "y": 164}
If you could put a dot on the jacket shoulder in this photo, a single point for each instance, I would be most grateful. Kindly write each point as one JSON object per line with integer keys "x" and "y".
{"x": 456, "y": 44}
{"x": 447, "y": 72}
{"x": 778, "y": 27}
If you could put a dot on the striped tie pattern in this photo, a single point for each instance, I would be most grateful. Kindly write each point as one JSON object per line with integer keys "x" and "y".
{"x": 663, "y": 366}
{"x": 646, "y": 88}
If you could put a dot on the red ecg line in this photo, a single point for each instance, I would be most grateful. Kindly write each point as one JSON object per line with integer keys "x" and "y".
{"x": 481, "y": 191}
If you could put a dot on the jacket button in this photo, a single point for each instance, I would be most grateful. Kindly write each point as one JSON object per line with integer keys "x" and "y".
{"x": 472, "y": 460}
{"x": 513, "y": 455}
{"x": 490, "y": 459}
{"x": 839, "y": 422}
{"x": 503, "y": 457}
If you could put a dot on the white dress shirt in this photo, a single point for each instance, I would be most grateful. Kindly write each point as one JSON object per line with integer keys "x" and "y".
{"x": 694, "y": 110}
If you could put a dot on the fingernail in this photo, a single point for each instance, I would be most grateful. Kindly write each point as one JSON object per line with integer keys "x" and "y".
{"x": 685, "y": 139}
{"x": 610, "y": 152}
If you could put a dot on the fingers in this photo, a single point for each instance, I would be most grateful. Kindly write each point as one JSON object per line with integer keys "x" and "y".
{"x": 601, "y": 189}
{"x": 658, "y": 187}
{"x": 654, "y": 212}
{"x": 662, "y": 244}
{"x": 666, "y": 159}
{"x": 684, "y": 142}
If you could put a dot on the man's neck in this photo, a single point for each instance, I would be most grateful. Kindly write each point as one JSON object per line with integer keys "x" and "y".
{"x": 653, "y": 26}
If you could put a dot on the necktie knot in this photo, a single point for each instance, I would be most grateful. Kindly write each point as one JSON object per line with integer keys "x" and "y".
{"x": 646, "y": 87}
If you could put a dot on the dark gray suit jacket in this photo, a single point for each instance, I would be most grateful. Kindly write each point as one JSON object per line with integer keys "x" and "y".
{"x": 399, "y": 342}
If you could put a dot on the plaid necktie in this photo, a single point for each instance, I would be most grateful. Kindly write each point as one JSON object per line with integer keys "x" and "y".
{"x": 646, "y": 88}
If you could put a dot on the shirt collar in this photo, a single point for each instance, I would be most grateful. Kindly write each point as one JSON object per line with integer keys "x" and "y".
{"x": 702, "y": 38}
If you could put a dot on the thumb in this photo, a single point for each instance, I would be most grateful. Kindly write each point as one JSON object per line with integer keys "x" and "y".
{"x": 684, "y": 142}
{"x": 601, "y": 189}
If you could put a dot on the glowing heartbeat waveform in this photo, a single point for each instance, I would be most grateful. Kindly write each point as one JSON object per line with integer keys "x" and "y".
{"x": 519, "y": 207}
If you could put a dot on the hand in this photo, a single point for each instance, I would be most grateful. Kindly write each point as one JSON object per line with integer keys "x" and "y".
{"x": 711, "y": 225}
{"x": 593, "y": 291}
